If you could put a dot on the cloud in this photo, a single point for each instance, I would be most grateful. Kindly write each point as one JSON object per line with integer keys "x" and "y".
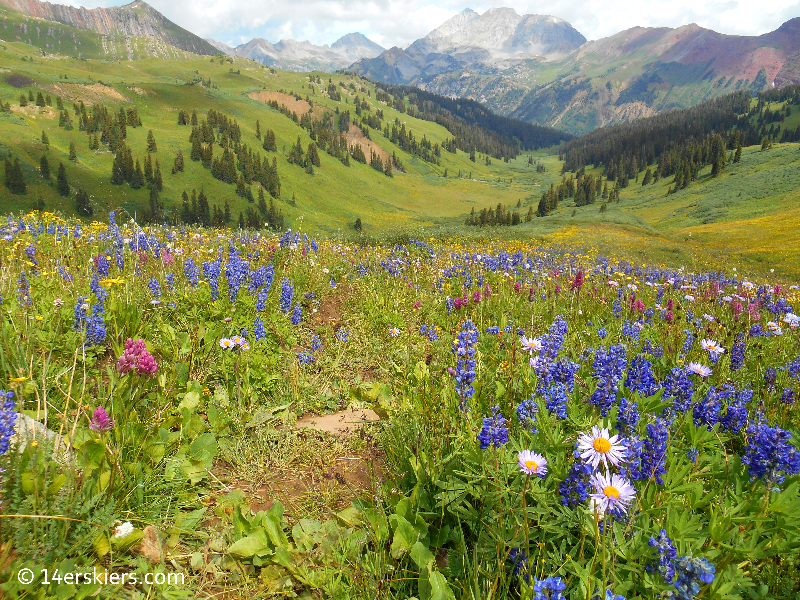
{"x": 400, "y": 22}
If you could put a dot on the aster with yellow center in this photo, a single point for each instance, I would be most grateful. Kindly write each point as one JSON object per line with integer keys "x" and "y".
{"x": 532, "y": 463}
{"x": 611, "y": 492}
{"x": 598, "y": 446}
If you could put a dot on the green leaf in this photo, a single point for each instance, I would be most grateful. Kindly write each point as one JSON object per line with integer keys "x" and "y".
{"x": 405, "y": 536}
{"x": 350, "y": 516}
{"x": 421, "y": 556}
{"x": 247, "y": 547}
{"x": 101, "y": 544}
{"x": 204, "y": 448}
{"x": 440, "y": 589}
{"x": 190, "y": 401}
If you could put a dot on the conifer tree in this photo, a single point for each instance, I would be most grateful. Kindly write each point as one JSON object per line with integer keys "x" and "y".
{"x": 137, "y": 180}
{"x": 148, "y": 168}
{"x": 158, "y": 182}
{"x": 227, "y": 213}
{"x": 738, "y": 156}
{"x": 40, "y": 100}
{"x": 177, "y": 165}
{"x": 44, "y": 167}
{"x": 45, "y": 140}
{"x": 82, "y": 204}
{"x": 62, "y": 185}
{"x": 23, "y": 101}
{"x": 151, "y": 142}
{"x": 73, "y": 151}
{"x": 258, "y": 130}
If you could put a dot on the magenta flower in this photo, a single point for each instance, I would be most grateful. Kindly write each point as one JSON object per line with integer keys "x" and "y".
{"x": 100, "y": 420}
{"x": 136, "y": 358}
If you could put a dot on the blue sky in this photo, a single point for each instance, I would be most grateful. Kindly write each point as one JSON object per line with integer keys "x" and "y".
{"x": 400, "y": 22}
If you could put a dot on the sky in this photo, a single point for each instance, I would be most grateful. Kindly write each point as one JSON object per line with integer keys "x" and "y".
{"x": 400, "y": 22}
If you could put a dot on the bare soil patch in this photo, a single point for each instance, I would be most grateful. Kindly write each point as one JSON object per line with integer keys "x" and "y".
{"x": 300, "y": 107}
{"x": 356, "y": 137}
{"x": 88, "y": 93}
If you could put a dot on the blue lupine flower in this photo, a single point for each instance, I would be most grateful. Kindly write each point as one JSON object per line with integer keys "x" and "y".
{"x": 609, "y": 367}
{"x": 8, "y": 418}
{"x": 691, "y": 572}
{"x": 556, "y": 399}
{"x": 305, "y": 359}
{"x": 464, "y": 350}
{"x": 549, "y": 588}
{"x": 155, "y": 288}
{"x": 211, "y": 272}
{"x": 316, "y": 344}
{"x": 297, "y": 314}
{"x": 769, "y": 455}
{"x": 493, "y": 330}
{"x": 640, "y": 377}
{"x": 287, "y": 293}
{"x": 258, "y": 329}
{"x": 654, "y": 453}
{"x": 602, "y": 333}
{"x": 788, "y": 396}
{"x": 692, "y": 454}
{"x": 494, "y": 432}
{"x": 170, "y": 281}
{"x": 527, "y": 412}
{"x": 679, "y": 388}
{"x": 342, "y": 334}
{"x": 736, "y": 414}
{"x": 575, "y": 488}
{"x": 261, "y": 301}
{"x": 666, "y": 554}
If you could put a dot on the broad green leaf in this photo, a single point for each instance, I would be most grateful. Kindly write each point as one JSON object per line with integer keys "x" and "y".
{"x": 246, "y": 547}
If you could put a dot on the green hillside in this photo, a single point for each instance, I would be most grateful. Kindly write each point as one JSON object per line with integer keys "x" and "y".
{"x": 332, "y": 197}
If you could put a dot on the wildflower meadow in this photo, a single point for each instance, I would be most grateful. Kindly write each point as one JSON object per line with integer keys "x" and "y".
{"x": 550, "y": 423}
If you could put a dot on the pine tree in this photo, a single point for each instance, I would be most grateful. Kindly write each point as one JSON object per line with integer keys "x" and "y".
{"x": 82, "y": 204}
{"x": 73, "y": 151}
{"x": 44, "y": 167}
{"x": 151, "y": 142}
{"x": 186, "y": 212}
{"x": 62, "y": 185}
{"x": 738, "y": 156}
{"x": 177, "y": 165}
{"x": 40, "y": 100}
{"x": 258, "y": 130}
{"x": 241, "y": 220}
{"x": 262, "y": 204}
{"x": 227, "y": 213}
{"x": 203, "y": 210}
{"x": 647, "y": 177}
{"x": 23, "y": 101}
{"x": 15, "y": 178}
{"x": 148, "y": 168}
{"x": 158, "y": 182}
{"x": 137, "y": 180}
{"x": 45, "y": 140}
{"x": 357, "y": 225}
{"x": 30, "y": 95}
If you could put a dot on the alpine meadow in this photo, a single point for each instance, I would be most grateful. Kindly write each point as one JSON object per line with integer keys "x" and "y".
{"x": 507, "y": 313}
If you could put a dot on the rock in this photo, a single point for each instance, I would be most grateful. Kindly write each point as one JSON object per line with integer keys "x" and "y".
{"x": 338, "y": 422}
{"x": 27, "y": 430}
{"x": 150, "y": 546}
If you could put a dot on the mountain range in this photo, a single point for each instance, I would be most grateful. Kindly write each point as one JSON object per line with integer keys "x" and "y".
{"x": 535, "y": 68}
{"x": 541, "y": 70}
{"x": 292, "y": 55}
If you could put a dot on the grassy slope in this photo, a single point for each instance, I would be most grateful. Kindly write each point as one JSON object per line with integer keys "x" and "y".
{"x": 334, "y": 196}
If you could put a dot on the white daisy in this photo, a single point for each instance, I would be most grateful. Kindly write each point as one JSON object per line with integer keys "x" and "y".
{"x": 598, "y": 445}
{"x": 226, "y": 343}
{"x": 394, "y": 332}
{"x": 712, "y": 347}
{"x": 531, "y": 463}
{"x": 611, "y": 492}
{"x": 698, "y": 369}
{"x": 531, "y": 344}
{"x": 792, "y": 320}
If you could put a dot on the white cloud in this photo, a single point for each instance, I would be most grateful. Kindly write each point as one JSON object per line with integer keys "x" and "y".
{"x": 400, "y": 22}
